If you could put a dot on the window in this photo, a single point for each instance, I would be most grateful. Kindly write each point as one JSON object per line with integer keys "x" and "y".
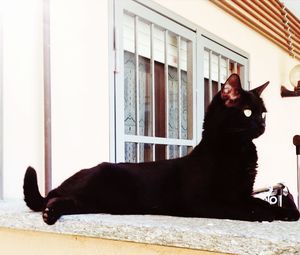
{"x": 159, "y": 94}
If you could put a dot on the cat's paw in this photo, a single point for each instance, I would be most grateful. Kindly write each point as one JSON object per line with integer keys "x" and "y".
{"x": 287, "y": 214}
{"x": 261, "y": 216}
{"x": 50, "y": 216}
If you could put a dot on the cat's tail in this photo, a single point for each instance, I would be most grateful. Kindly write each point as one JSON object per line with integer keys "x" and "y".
{"x": 32, "y": 195}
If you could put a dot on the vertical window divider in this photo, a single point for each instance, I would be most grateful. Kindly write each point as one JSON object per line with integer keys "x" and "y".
{"x": 235, "y": 67}
{"x": 136, "y": 28}
{"x": 228, "y": 67}
{"x": 166, "y": 69}
{"x": 152, "y": 75}
{"x": 210, "y": 92}
{"x": 179, "y": 90}
{"x": 219, "y": 71}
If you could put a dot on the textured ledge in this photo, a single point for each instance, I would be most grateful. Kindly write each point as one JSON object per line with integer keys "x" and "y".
{"x": 226, "y": 236}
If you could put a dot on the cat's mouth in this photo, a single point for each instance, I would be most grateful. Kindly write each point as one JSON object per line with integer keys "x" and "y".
{"x": 251, "y": 133}
{"x": 260, "y": 130}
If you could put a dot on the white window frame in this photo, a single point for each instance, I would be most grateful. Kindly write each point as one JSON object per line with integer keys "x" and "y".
{"x": 202, "y": 39}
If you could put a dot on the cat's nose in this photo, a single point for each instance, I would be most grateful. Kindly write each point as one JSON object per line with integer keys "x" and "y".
{"x": 262, "y": 127}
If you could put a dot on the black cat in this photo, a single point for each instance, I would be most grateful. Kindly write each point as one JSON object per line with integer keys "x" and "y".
{"x": 215, "y": 180}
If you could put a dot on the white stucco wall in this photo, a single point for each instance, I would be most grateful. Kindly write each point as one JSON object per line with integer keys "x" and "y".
{"x": 22, "y": 91}
{"x": 80, "y": 86}
{"x": 79, "y": 79}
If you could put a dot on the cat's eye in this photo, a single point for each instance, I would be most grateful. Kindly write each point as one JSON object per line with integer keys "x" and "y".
{"x": 247, "y": 112}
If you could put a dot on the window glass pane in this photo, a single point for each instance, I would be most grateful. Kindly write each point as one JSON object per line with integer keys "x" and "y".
{"x": 145, "y": 97}
{"x": 160, "y": 112}
{"x": 214, "y": 90}
{"x": 214, "y": 72}
{"x": 173, "y": 151}
{"x": 186, "y": 106}
{"x": 144, "y": 78}
{"x": 146, "y": 152}
{"x": 128, "y": 33}
{"x": 160, "y": 151}
{"x": 173, "y": 102}
{"x": 129, "y": 94}
{"x": 137, "y": 107}
{"x": 173, "y": 87}
{"x": 186, "y": 150}
{"x": 159, "y": 44}
{"x": 186, "y": 90}
{"x": 234, "y": 67}
{"x": 223, "y": 66}
{"x": 180, "y": 89}
{"x": 130, "y": 152}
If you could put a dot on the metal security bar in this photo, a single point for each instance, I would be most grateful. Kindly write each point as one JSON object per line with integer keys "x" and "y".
{"x": 179, "y": 90}
{"x": 210, "y": 92}
{"x": 136, "y": 44}
{"x": 166, "y": 69}
{"x": 219, "y": 73}
{"x": 152, "y": 74}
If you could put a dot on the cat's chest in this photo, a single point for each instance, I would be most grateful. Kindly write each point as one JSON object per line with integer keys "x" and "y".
{"x": 239, "y": 159}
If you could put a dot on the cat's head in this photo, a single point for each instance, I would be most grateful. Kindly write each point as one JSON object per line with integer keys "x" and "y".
{"x": 235, "y": 112}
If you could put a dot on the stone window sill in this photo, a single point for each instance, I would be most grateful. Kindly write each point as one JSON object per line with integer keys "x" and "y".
{"x": 215, "y": 235}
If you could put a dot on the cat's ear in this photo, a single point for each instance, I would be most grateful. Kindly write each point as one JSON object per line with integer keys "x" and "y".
{"x": 260, "y": 89}
{"x": 231, "y": 90}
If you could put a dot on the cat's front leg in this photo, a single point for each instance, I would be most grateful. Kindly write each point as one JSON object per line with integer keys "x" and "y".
{"x": 247, "y": 209}
{"x": 243, "y": 210}
{"x": 286, "y": 214}
{"x": 56, "y": 207}
{"x": 277, "y": 213}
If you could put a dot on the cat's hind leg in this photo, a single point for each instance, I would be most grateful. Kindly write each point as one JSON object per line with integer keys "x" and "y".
{"x": 58, "y": 206}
